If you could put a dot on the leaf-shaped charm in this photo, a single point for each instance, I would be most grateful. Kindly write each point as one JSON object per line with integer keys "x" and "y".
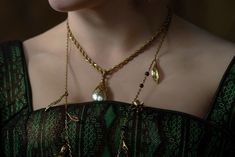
{"x": 63, "y": 151}
{"x": 155, "y": 72}
{"x": 125, "y": 148}
{"x": 100, "y": 92}
{"x": 73, "y": 117}
{"x": 56, "y": 101}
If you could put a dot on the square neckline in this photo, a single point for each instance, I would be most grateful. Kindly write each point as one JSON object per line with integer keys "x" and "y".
{"x": 203, "y": 118}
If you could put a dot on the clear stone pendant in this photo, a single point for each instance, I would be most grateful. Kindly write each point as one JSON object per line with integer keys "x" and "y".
{"x": 155, "y": 72}
{"x": 100, "y": 92}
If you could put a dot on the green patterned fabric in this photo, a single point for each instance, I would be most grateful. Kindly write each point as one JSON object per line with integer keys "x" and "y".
{"x": 153, "y": 132}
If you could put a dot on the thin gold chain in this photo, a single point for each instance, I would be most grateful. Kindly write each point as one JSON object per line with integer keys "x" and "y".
{"x": 149, "y": 69}
{"x": 136, "y": 104}
{"x": 117, "y": 67}
{"x": 163, "y": 30}
{"x": 164, "y": 33}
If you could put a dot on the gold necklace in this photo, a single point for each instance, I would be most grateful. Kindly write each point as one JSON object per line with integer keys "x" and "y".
{"x": 100, "y": 93}
{"x": 136, "y": 106}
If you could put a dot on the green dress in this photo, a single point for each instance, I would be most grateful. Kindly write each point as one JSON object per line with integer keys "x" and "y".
{"x": 154, "y": 132}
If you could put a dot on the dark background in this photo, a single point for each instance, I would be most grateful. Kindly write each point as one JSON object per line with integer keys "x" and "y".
{"x": 23, "y": 19}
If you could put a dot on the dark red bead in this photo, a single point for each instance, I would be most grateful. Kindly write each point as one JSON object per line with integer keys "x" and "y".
{"x": 147, "y": 73}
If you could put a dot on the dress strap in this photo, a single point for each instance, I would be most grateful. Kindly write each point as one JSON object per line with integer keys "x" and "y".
{"x": 222, "y": 112}
{"x": 15, "y": 93}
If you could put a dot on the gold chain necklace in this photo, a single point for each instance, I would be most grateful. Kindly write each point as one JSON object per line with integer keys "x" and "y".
{"x": 136, "y": 106}
{"x": 100, "y": 93}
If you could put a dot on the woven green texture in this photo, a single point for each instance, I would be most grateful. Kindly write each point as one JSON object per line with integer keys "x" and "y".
{"x": 152, "y": 133}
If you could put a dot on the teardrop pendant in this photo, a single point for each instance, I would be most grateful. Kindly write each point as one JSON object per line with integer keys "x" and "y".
{"x": 155, "y": 72}
{"x": 100, "y": 92}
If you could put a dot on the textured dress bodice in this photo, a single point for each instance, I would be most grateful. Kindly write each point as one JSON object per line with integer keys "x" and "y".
{"x": 153, "y": 132}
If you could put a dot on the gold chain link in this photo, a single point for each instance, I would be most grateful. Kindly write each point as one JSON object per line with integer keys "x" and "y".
{"x": 125, "y": 61}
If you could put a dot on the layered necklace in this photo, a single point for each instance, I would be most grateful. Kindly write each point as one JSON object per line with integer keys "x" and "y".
{"x": 101, "y": 93}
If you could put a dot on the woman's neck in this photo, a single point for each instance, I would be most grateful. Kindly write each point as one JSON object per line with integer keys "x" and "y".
{"x": 117, "y": 25}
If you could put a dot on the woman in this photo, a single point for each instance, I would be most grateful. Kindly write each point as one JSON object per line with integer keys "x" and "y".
{"x": 185, "y": 109}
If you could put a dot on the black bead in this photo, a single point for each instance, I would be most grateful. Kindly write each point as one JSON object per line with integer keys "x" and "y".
{"x": 147, "y": 73}
{"x": 141, "y": 85}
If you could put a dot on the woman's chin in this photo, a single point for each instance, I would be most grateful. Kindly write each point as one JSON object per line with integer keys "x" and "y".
{"x": 62, "y": 5}
{"x": 71, "y": 5}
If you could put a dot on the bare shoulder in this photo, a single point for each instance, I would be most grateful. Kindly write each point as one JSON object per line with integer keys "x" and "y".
{"x": 48, "y": 41}
{"x": 194, "y": 65}
{"x": 202, "y": 40}
{"x": 204, "y": 48}
{"x": 42, "y": 49}
{"x": 45, "y": 58}
{"x": 207, "y": 55}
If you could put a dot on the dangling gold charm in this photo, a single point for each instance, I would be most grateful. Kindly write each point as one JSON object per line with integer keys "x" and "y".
{"x": 63, "y": 151}
{"x": 56, "y": 101}
{"x": 137, "y": 105}
{"x": 155, "y": 72}
{"x": 73, "y": 117}
{"x": 100, "y": 92}
{"x": 125, "y": 148}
